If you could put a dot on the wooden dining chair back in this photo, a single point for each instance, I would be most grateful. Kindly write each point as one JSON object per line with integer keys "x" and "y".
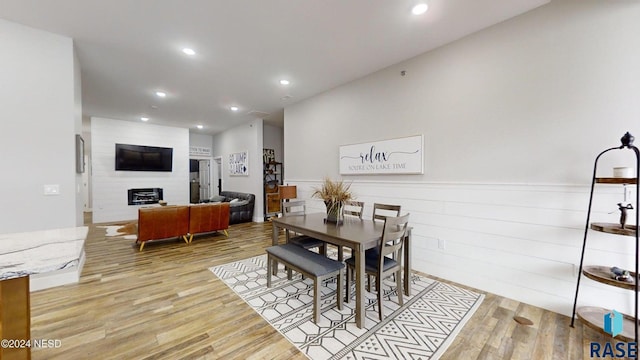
{"x": 381, "y": 211}
{"x": 293, "y": 208}
{"x": 393, "y": 234}
{"x": 353, "y": 208}
{"x": 383, "y": 266}
{"x": 298, "y": 208}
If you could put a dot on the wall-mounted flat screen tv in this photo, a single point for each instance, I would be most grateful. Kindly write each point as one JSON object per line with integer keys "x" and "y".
{"x": 143, "y": 158}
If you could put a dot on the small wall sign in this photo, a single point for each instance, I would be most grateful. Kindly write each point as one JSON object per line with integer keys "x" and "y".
{"x": 393, "y": 156}
{"x": 268, "y": 155}
{"x": 199, "y": 151}
{"x": 239, "y": 163}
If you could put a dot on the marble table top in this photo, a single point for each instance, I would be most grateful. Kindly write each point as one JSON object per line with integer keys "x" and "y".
{"x": 36, "y": 252}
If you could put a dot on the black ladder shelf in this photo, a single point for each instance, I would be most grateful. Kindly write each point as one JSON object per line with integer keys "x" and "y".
{"x": 593, "y": 316}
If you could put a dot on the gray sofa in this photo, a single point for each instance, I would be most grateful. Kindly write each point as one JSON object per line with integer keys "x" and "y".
{"x": 240, "y": 210}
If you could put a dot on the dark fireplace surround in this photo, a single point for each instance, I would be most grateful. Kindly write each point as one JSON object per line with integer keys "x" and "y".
{"x": 144, "y": 196}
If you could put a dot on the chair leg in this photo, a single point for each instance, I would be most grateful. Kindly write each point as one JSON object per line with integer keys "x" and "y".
{"x": 340, "y": 253}
{"x": 379, "y": 289}
{"x": 399, "y": 286}
{"x": 348, "y": 281}
{"x": 340, "y": 288}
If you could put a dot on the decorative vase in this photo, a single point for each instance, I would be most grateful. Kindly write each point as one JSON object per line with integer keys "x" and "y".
{"x": 334, "y": 212}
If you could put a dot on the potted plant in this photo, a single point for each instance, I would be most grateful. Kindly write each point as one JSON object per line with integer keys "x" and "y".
{"x": 334, "y": 194}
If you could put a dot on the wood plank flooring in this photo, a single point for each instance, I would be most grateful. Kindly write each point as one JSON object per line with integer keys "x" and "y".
{"x": 164, "y": 303}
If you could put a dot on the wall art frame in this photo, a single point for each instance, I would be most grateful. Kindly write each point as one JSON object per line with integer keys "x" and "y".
{"x": 403, "y": 155}
{"x": 239, "y": 164}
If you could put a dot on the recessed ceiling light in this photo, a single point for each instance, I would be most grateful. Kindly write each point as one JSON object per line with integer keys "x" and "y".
{"x": 189, "y": 51}
{"x": 284, "y": 82}
{"x": 234, "y": 108}
{"x": 199, "y": 126}
{"x": 161, "y": 94}
{"x": 144, "y": 118}
{"x": 420, "y": 9}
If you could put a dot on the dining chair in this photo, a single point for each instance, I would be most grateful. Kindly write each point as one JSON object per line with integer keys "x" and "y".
{"x": 380, "y": 213}
{"x": 353, "y": 208}
{"x": 298, "y": 208}
{"x": 393, "y": 235}
{"x": 350, "y": 209}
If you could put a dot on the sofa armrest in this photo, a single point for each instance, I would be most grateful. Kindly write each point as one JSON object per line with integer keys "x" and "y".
{"x": 240, "y": 213}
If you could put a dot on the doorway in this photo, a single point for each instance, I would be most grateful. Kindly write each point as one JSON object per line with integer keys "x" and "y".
{"x": 217, "y": 175}
{"x": 199, "y": 180}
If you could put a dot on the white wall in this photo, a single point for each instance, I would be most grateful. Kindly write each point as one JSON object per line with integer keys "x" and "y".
{"x": 246, "y": 137}
{"x": 39, "y": 88}
{"x": 110, "y": 187}
{"x": 200, "y": 140}
{"x": 513, "y": 117}
{"x": 77, "y": 116}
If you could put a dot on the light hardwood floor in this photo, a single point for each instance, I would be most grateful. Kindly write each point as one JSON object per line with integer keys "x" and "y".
{"x": 164, "y": 303}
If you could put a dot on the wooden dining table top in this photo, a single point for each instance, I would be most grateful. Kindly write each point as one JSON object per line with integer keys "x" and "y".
{"x": 351, "y": 233}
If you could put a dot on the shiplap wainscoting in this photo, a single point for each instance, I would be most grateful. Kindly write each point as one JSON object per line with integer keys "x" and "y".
{"x": 521, "y": 241}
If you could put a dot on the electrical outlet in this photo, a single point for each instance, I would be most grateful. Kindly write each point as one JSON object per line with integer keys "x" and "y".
{"x": 441, "y": 244}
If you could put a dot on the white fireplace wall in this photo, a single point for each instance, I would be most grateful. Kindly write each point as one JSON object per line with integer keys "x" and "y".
{"x": 110, "y": 202}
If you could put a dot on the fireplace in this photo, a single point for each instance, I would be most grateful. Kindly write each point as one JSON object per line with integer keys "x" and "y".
{"x": 144, "y": 196}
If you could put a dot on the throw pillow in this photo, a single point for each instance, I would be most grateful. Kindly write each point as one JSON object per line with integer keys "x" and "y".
{"x": 238, "y": 203}
{"x": 217, "y": 198}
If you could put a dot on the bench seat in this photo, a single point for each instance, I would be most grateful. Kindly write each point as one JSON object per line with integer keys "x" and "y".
{"x": 310, "y": 264}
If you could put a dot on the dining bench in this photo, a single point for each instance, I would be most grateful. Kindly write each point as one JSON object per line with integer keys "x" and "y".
{"x": 309, "y": 264}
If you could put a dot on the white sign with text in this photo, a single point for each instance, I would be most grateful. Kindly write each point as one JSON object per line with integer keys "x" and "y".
{"x": 199, "y": 151}
{"x": 239, "y": 163}
{"x": 393, "y": 156}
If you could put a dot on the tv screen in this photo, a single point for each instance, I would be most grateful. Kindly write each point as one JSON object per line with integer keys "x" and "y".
{"x": 143, "y": 158}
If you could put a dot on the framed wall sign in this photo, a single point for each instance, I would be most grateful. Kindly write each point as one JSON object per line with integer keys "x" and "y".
{"x": 393, "y": 156}
{"x": 268, "y": 155}
{"x": 199, "y": 151}
{"x": 239, "y": 163}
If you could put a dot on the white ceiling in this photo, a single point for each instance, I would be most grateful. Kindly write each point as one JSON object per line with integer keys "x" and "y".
{"x": 128, "y": 49}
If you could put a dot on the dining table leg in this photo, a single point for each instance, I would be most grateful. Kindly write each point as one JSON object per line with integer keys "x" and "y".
{"x": 274, "y": 234}
{"x": 360, "y": 276}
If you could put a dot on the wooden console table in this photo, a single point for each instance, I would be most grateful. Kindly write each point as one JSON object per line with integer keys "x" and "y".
{"x": 15, "y": 317}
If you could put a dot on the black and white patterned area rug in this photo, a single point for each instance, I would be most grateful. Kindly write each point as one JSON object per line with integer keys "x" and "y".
{"x": 422, "y": 328}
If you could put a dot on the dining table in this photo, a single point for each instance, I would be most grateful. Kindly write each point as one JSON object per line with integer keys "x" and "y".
{"x": 356, "y": 234}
